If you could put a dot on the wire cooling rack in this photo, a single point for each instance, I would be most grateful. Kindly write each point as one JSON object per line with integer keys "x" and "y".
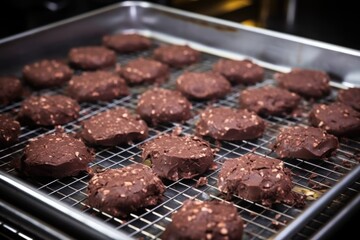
{"x": 311, "y": 177}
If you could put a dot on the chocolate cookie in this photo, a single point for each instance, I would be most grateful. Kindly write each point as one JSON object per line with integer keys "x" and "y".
{"x": 126, "y": 43}
{"x": 256, "y": 179}
{"x": 350, "y": 97}
{"x": 307, "y": 83}
{"x": 47, "y": 73}
{"x": 143, "y": 70}
{"x": 175, "y": 157}
{"x": 177, "y": 56}
{"x": 49, "y": 110}
{"x": 243, "y": 72}
{"x": 92, "y": 57}
{"x": 205, "y": 220}
{"x": 10, "y": 89}
{"x": 203, "y": 85}
{"x": 160, "y": 105}
{"x": 96, "y": 86}
{"x": 114, "y": 127}
{"x": 122, "y": 191}
{"x": 55, "y": 155}
{"x": 9, "y": 130}
{"x": 305, "y": 143}
{"x": 336, "y": 118}
{"x": 229, "y": 124}
{"x": 269, "y": 100}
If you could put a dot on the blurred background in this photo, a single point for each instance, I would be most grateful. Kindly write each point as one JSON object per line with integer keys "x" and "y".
{"x": 324, "y": 20}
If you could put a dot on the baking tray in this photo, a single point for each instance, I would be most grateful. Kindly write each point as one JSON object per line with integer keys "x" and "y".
{"x": 62, "y": 202}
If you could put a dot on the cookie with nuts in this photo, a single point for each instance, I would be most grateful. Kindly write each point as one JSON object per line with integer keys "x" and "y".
{"x": 305, "y": 143}
{"x": 114, "y": 127}
{"x": 336, "y": 118}
{"x": 305, "y": 82}
{"x": 92, "y": 57}
{"x": 97, "y": 86}
{"x": 122, "y": 191}
{"x": 9, "y": 130}
{"x": 239, "y": 72}
{"x": 47, "y": 73}
{"x": 144, "y": 70}
{"x": 11, "y": 89}
{"x": 223, "y": 123}
{"x": 205, "y": 220}
{"x": 54, "y": 155}
{"x": 174, "y": 157}
{"x": 177, "y": 56}
{"x": 203, "y": 85}
{"x": 350, "y": 97}
{"x": 256, "y": 178}
{"x": 269, "y": 100}
{"x": 160, "y": 105}
{"x": 126, "y": 43}
{"x": 49, "y": 110}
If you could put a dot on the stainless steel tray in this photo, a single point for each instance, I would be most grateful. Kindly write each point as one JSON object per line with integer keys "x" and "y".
{"x": 338, "y": 176}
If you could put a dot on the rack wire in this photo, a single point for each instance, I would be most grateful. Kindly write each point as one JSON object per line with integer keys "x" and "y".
{"x": 261, "y": 222}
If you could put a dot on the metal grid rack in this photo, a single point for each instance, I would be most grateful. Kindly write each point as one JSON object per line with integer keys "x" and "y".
{"x": 261, "y": 222}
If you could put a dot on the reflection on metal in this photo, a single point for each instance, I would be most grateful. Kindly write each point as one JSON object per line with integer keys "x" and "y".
{"x": 212, "y": 7}
{"x": 291, "y": 14}
{"x": 275, "y": 51}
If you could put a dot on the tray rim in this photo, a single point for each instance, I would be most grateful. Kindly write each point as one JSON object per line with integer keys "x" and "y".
{"x": 143, "y": 4}
{"x": 192, "y": 15}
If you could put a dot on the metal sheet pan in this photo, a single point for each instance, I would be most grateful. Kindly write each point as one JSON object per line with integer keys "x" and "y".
{"x": 232, "y": 39}
{"x": 274, "y": 51}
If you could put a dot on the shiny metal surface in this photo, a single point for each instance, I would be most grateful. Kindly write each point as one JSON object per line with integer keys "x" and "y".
{"x": 274, "y": 51}
{"x": 241, "y": 41}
